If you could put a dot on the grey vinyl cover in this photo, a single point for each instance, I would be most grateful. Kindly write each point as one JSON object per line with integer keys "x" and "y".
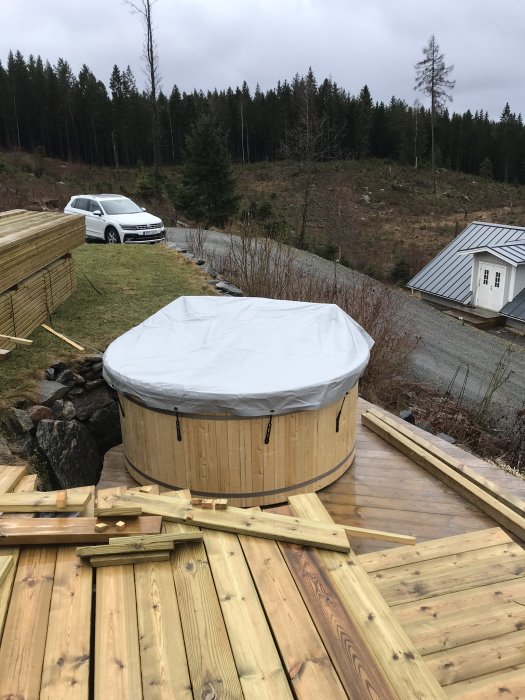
{"x": 516, "y": 307}
{"x": 244, "y": 356}
{"x": 448, "y": 274}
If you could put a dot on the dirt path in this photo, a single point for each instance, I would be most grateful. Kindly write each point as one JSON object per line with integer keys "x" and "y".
{"x": 444, "y": 344}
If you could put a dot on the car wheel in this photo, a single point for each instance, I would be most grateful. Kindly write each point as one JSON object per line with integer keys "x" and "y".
{"x": 112, "y": 235}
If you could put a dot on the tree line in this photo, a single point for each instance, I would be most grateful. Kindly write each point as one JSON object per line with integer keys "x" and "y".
{"x": 79, "y": 118}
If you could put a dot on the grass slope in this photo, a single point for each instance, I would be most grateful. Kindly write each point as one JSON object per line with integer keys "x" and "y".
{"x": 132, "y": 282}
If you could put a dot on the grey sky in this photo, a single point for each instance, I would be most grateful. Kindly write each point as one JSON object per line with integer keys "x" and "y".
{"x": 205, "y": 44}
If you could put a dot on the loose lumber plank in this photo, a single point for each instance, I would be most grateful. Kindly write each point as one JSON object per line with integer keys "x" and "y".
{"x": 125, "y": 548}
{"x": 17, "y": 531}
{"x": 309, "y": 667}
{"x": 258, "y": 664}
{"x": 43, "y": 501}
{"x": 379, "y": 535}
{"x": 65, "y": 674}
{"x": 176, "y": 537}
{"x": 117, "y": 658}
{"x": 6, "y": 562}
{"x": 21, "y": 662}
{"x": 433, "y": 549}
{"x": 490, "y": 505}
{"x": 500, "y": 493}
{"x": 241, "y": 521}
{"x": 501, "y": 684}
{"x": 62, "y": 337}
{"x": 465, "y": 662}
{"x": 17, "y": 341}
{"x": 127, "y": 559}
{"x": 401, "y": 662}
{"x": 164, "y": 668}
{"x": 210, "y": 659}
{"x": 10, "y": 477}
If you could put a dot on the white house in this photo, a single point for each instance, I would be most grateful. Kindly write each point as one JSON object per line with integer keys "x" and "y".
{"x": 482, "y": 268}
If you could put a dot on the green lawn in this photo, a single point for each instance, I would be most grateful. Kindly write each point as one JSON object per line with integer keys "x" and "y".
{"x": 132, "y": 282}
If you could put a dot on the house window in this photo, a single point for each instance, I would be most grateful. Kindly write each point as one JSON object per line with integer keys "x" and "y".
{"x": 498, "y": 279}
{"x": 485, "y": 276}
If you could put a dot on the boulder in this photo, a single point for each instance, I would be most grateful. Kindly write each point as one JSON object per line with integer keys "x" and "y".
{"x": 51, "y": 391}
{"x": 70, "y": 453}
{"x": 15, "y": 422}
{"x": 104, "y": 426}
{"x": 63, "y": 410}
{"x": 6, "y": 456}
{"x": 65, "y": 377}
{"x": 229, "y": 289}
{"x": 87, "y": 404}
{"x": 38, "y": 413}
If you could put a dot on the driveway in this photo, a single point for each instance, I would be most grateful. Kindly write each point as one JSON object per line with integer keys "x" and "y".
{"x": 444, "y": 344}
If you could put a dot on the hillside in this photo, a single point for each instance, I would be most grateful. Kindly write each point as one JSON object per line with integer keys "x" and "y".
{"x": 371, "y": 214}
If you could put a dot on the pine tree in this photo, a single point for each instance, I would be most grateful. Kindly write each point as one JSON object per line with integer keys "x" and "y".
{"x": 432, "y": 79}
{"x": 207, "y": 191}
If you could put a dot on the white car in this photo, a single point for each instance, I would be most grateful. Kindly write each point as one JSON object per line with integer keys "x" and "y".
{"x": 116, "y": 219}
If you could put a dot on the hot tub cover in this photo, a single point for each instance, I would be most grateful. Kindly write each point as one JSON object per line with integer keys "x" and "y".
{"x": 245, "y": 356}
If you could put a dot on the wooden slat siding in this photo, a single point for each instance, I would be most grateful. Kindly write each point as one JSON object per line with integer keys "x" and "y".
{"x": 306, "y": 660}
{"x": 399, "y": 658}
{"x": 17, "y": 531}
{"x": 65, "y": 674}
{"x": 461, "y": 578}
{"x": 402, "y": 556}
{"x": 117, "y": 658}
{"x": 242, "y": 521}
{"x": 209, "y": 656}
{"x": 357, "y": 666}
{"x": 452, "y": 631}
{"x": 24, "y": 638}
{"x": 465, "y": 662}
{"x": 258, "y": 664}
{"x": 493, "y": 686}
{"x": 487, "y": 596}
{"x": 10, "y": 477}
{"x": 163, "y": 662}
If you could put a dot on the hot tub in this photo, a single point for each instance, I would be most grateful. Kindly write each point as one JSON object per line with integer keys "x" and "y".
{"x": 241, "y": 398}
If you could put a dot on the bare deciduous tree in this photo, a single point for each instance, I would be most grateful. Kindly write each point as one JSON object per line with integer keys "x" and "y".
{"x": 144, "y": 8}
{"x": 432, "y": 79}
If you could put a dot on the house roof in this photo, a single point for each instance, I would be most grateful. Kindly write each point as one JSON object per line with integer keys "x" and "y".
{"x": 513, "y": 253}
{"x": 516, "y": 307}
{"x": 448, "y": 274}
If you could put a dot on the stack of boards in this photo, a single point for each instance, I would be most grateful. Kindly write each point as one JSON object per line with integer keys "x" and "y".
{"x": 36, "y": 269}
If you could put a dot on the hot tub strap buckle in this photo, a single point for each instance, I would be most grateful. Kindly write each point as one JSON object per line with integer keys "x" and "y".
{"x": 177, "y": 424}
{"x": 268, "y": 431}
{"x": 338, "y": 417}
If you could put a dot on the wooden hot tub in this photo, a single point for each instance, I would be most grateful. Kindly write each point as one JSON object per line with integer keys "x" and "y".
{"x": 204, "y": 406}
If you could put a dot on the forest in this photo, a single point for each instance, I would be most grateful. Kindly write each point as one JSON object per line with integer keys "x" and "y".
{"x": 76, "y": 118}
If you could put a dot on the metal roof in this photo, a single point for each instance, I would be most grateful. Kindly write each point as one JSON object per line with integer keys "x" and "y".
{"x": 513, "y": 253}
{"x": 516, "y": 307}
{"x": 448, "y": 274}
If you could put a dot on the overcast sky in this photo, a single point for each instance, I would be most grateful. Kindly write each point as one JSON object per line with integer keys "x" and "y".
{"x": 205, "y": 44}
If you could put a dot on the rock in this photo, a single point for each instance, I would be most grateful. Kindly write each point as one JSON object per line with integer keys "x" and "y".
{"x": 6, "y": 456}
{"x": 97, "y": 367}
{"x": 200, "y": 262}
{"x": 58, "y": 367}
{"x": 87, "y": 404}
{"x": 447, "y": 438}
{"x": 104, "y": 426}
{"x": 75, "y": 391}
{"x": 65, "y": 376}
{"x": 93, "y": 358}
{"x": 229, "y": 289}
{"x": 93, "y": 383}
{"x": 50, "y": 373}
{"x": 408, "y": 416}
{"x": 425, "y": 426}
{"x": 51, "y": 391}
{"x": 92, "y": 374}
{"x": 212, "y": 273}
{"x": 63, "y": 410}
{"x": 78, "y": 378}
{"x": 16, "y": 422}
{"x": 69, "y": 451}
{"x": 26, "y": 446}
{"x": 38, "y": 413}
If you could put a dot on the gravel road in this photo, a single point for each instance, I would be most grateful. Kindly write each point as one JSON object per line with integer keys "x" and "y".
{"x": 444, "y": 344}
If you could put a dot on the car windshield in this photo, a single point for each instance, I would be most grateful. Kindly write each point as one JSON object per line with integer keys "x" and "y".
{"x": 120, "y": 206}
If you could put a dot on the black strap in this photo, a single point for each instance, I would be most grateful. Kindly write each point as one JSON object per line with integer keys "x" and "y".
{"x": 177, "y": 422}
{"x": 121, "y": 406}
{"x": 339, "y": 414}
{"x": 268, "y": 431}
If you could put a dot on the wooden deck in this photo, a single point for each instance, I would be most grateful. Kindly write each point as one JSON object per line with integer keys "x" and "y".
{"x": 240, "y": 617}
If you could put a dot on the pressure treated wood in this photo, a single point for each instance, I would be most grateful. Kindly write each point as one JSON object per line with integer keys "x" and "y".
{"x": 19, "y": 531}
{"x": 43, "y": 501}
{"x": 65, "y": 674}
{"x": 6, "y": 562}
{"x": 246, "y": 522}
{"x": 10, "y": 477}
{"x": 226, "y": 456}
{"x": 128, "y": 559}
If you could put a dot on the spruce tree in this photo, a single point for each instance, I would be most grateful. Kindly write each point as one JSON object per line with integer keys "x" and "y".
{"x": 207, "y": 190}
